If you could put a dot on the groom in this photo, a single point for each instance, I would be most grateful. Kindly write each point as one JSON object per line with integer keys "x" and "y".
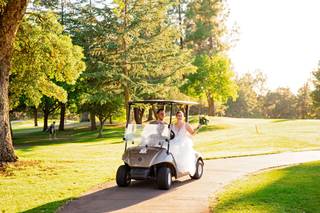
{"x": 160, "y": 117}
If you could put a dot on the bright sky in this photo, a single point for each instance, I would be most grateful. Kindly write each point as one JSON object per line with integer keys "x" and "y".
{"x": 279, "y": 37}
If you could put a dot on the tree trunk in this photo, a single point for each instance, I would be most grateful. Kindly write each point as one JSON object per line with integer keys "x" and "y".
{"x": 35, "y": 116}
{"x": 138, "y": 115}
{"x": 110, "y": 120}
{"x": 150, "y": 115}
{"x": 46, "y": 113}
{"x": 62, "y": 116}
{"x": 211, "y": 105}
{"x": 10, "y": 18}
{"x": 101, "y": 127}
{"x": 84, "y": 117}
{"x": 93, "y": 121}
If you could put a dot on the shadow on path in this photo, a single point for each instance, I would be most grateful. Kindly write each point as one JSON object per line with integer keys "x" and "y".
{"x": 108, "y": 199}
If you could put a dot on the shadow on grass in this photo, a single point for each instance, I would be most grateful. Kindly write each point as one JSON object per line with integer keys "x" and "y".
{"x": 25, "y": 141}
{"x": 281, "y": 120}
{"x": 49, "y": 207}
{"x": 296, "y": 190}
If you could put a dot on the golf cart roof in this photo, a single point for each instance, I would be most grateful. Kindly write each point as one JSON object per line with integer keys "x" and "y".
{"x": 153, "y": 101}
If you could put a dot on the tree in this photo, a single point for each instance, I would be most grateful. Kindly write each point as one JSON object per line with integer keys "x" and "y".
{"x": 247, "y": 100}
{"x": 213, "y": 79}
{"x": 48, "y": 106}
{"x": 104, "y": 103}
{"x": 316, "y": 92}
{"x": 205, "y": 26}
{"x": 141, "y": 47}
{"x": 44, "y": 61}
{"x": 206, "y": 34}
{"x": 304, "y": 102}
{"x": 11, "y": 13}
{"x": 280, "y": 104}
{"x": 251, "y": 92}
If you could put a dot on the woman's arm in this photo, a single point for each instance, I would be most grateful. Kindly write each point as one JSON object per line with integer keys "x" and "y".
{"x": 190, "y": 129}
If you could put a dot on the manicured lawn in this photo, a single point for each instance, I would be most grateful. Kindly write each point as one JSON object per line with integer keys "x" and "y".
{"x": 292, "y": 189}
{"x": 51, "y": 172}
{"x": 237, "y": 137}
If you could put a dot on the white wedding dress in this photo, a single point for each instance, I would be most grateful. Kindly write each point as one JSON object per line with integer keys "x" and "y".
{"x": 182, "y": 149}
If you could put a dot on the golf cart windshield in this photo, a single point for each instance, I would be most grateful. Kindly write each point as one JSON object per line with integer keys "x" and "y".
{"x": 148, "y": 121}
{"x": 147, "y": 134}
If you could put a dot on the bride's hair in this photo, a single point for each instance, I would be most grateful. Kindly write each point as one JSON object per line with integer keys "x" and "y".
{"x": 180, "y": 112}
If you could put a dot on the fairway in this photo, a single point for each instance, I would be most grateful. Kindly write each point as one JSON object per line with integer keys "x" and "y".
{"x": 53, "y": 172}
{"x": 293, "y": 189}
{"x": 240, "y": 137}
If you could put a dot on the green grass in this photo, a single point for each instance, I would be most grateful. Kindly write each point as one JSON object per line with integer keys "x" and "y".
{"x": 49, "y": 173}
{"x": 240, "y": 137}
{"x": 292, "y": 189}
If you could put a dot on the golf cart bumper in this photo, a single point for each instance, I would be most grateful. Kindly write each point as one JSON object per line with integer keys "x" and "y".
{"x": 140, "y": 173}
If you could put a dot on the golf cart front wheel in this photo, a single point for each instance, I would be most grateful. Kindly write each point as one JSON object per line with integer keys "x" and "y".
{"x": 199, "y": 170}
{"x": 164, "y": 178}
{"x": 123, "y": 177}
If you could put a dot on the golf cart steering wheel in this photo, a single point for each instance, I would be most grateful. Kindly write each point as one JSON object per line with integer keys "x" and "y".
{"x": 172, "y": 134}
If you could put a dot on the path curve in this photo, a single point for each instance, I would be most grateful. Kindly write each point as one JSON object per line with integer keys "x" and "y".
{"x": 186, "y": 195}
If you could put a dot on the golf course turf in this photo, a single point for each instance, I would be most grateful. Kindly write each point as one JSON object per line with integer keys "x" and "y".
{"x": 291, "y": 189}
{"x": 51, "y": 172}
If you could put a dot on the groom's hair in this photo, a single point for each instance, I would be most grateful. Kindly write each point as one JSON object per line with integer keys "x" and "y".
{"x": 159, "y": 110}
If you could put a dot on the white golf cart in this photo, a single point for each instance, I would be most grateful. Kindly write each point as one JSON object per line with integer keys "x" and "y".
{"x": 147, "y": 146}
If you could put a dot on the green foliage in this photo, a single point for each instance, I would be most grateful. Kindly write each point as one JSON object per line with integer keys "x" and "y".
{"x": 205, "y": 26}
{"x": 99, "y": 88}
{"x": 248, "y": 102}
{"x": 316, "y": 92}
{"x": 280, "y": 104}
{"x": 140, "y": 47}
{"x": 213, "y": 76}
{"x": 43, "y": 57}
{"x": 206, "y": 33}
{"x": 304, "y": 102}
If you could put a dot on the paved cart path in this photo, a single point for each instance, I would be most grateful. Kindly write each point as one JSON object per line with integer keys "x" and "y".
{"x": 186, "y": 195}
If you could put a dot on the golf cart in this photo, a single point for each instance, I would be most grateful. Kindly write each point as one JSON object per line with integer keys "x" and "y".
{"x": 147, "y": 145}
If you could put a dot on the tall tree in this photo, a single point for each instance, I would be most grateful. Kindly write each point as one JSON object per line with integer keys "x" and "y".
{"x": 251, "y": 92}
{"x": 11, "y": 14}
{"x": 142, "y": 48}
{"x": 213, "y": 79}
{"x": 205, "y": 26}
{"x": 280, "y": 104}
{"x": 246, "y": 102}
{"x": 206, "y": 34}
{"x": 304, "y": 102}
{"x": 316, "y": 92}
{"x": 44, "y": 60}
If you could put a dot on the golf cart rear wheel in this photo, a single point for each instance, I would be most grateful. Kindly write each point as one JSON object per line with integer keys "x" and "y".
{"x": 199, "y": 170}
{"x": 123, "y": 176}
{"x": 164, "y": 178}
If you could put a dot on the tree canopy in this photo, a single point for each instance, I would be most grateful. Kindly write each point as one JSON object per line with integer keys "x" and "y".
{"x": 213, "y": 79}
{"x": 43, "y": 57}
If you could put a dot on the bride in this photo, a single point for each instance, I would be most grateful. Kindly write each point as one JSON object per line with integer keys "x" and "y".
{"x": 182, "y": 146}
